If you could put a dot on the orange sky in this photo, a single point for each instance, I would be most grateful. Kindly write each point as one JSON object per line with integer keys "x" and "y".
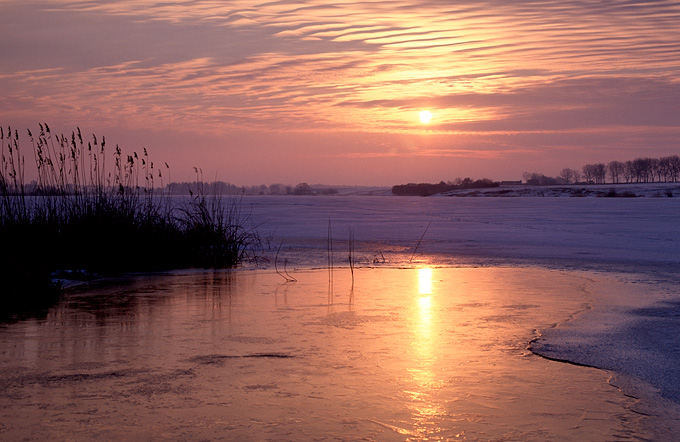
{"x": 330, "y": 92}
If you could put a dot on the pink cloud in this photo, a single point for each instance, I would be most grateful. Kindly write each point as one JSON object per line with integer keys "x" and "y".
{"x": 520, "y": 78}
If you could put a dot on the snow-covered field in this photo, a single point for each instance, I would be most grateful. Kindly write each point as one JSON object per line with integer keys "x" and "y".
{"x": 623, "y": 234}
{"x": 621, "y": 190}
{"x": 644, "y": 190}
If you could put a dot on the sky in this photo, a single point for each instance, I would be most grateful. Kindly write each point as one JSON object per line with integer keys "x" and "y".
{"x": 261, "y": 92}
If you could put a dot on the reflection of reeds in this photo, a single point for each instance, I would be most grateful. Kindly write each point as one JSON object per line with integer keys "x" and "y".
{"x": 79, "y": 215}
{"x": 330, "y": 255}
{"x": 285, "y": 275}
{"x": 351, "y": 257}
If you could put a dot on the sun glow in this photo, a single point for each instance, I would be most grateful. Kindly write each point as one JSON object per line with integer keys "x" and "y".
{"x": 425, "y": 116}
{"x": 425, "y": 281}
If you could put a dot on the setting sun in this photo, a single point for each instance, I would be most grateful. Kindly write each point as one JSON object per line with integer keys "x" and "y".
{"x": 425, "y": 116}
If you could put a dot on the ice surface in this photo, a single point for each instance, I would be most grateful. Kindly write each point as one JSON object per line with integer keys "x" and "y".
{"x": 596, "y": 233}
{"x": 632, "y": 239}
{"x": 627, "y": 334}
{"x": 403, "y": 355}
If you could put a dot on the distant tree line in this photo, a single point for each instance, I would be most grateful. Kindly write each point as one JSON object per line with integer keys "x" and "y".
{"x": 224, "y": 188}
{"x": 427, "y": 189}
{"x": 639, "y": 170}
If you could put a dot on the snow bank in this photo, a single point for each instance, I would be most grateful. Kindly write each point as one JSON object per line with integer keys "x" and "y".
{"x": 642, "y": 190}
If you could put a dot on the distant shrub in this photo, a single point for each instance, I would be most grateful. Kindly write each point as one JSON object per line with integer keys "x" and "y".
{"x": 302, "y": 189}
{"x": 426, "y": 189}
{"x": 612, "y": 193}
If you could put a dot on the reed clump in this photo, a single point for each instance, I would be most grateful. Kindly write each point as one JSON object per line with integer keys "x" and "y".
{"x": 100, "y": 212}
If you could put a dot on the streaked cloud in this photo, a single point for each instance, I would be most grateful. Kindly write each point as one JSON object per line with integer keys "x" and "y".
{"x": 566, "y": 70}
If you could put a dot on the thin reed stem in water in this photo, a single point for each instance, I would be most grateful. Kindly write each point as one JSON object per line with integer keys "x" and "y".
{"x": 419, "y": 241}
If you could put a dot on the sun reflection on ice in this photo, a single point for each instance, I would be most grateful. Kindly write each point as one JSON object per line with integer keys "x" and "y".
{"x": 425, "y": 281}
{"x": 426, "y": 322}
{"x": 423, "y": 328}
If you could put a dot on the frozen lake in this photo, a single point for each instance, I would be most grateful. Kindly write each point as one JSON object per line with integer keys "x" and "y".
{"x": 408, "y": 354}
{"x": 624, "y": 234}
{"x": 430, "y": 343}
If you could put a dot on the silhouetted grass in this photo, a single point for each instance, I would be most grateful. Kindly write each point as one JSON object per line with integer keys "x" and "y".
{"x": 80, "y": 215}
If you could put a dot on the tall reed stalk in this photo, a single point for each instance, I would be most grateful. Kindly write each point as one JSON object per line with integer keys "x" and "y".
{"x": 77, "y": 214}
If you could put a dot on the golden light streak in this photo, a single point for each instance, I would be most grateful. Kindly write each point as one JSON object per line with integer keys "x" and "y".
{"x": 426, "y": 323}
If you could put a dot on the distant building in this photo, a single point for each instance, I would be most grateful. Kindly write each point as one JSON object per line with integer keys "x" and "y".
{"x": 510, "y": 183}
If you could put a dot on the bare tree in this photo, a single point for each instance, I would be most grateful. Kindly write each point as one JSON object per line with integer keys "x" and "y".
{"x": 600, "y": 173}
{"x": 567, "y": 175}
{"x": 664, "y": 169}
{"x": 642, "y": 168}
{"x": 589, "y": 173}
{"x": 616, "y": 170}
{"x": 570, "y": 175}
{"x": 654, "y": 169}
{"x": 629, "y": 171}
{"x": 674, "y": 168}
